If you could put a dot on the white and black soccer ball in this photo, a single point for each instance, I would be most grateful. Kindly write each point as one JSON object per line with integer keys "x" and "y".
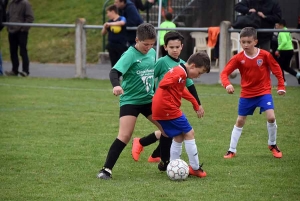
{"x": 177, "y": 170}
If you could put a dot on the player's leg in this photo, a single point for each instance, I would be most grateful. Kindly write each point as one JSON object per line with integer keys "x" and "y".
{"x": 286, "y": 57}
{"x": 195, "y": 168}
{"x": 267, "y": 105}
{"x": 176, "y": 147}
{"x": 128, "y": 116}
{"x": 246, "y": 107}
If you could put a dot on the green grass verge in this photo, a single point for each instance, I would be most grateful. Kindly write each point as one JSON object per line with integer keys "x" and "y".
{"x": 55, "y": 134}
{"x": 57, "y": 45}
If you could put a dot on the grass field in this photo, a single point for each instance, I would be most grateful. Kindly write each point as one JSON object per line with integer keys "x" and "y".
{"x": 55, "y": 134}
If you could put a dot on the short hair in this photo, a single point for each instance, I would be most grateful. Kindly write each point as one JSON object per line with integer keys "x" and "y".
{"x": 200, "y": 59}
{"x": 282, "y": 22}
{"x": 248, "y": 32}
{"x": 169, "y": 16}
{"x": 145, "y": 31}
{"x": 125, "y": 1}
{"x": 173, "y": 35}
{"x": 112, "y": 8}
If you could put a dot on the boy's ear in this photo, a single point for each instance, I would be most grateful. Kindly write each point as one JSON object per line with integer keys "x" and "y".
{"x": 165, "y": 47}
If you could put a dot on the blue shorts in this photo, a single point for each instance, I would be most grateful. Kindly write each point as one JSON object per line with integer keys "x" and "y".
{"x": 176, "y": 127}
{"x": 248, "y": 105}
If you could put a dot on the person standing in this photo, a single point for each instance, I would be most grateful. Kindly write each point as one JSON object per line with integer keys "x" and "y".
{"x": 269, "y": 12}
{"x": 133, "y": 19}
{"x": 285, "y": 51}
{"x": 19, "y": 11}
{"x": 166, "y": 24}
{"x": 3, "y": 4}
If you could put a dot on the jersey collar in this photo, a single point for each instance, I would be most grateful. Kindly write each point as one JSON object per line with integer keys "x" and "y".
{"x": 176, "y": 60}
{"x": 183, "y": 66}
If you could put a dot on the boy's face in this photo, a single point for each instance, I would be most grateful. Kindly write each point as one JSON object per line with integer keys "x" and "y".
{"x": 174, "y": 48}
{"x": 194, "y": 72}
{"x": 110, "y": 14}
{"x": 145, "y": 45}
{"x": 119, "y": 4}
{"x": 248, "y": 43}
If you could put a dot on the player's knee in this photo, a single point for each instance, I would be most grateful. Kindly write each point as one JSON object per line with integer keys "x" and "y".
{"x": 240, "y": 122}
{"x": 271, "y": 119}
{"x": 157, "y": 134}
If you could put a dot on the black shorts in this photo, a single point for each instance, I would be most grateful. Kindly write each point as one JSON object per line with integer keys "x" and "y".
{"x": 135, "y": 110}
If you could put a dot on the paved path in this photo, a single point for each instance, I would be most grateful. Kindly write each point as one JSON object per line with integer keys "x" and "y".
{"x": 101, "y": 71}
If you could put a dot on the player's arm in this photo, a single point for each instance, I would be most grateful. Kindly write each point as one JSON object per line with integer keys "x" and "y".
{"x": 276, "y": 70}
{"x": 122, "y": 22}
{"x": 192, "y": 89}
{"x": 104, "y": 29}
{"x": 228, "y": 69}
{"x": 168, "y": 81}
{"x": 188, "y": 96}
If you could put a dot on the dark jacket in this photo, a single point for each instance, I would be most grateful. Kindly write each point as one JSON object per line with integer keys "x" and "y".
{"x": 133, "y": 19}
{"x": 3, "y": 4}
{"x": 19, "y": 11}
{"x": 270, "y": 8}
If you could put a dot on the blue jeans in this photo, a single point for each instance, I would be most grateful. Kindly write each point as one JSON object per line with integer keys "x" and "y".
{"x": 1, "y": 71}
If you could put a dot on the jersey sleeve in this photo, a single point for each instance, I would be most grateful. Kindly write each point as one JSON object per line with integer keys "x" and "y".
{"x": 276, "y": 70}
{"x": 168, "y": 81}
{"x": 188, "y": 96}
{"x": 229, "y": 68}
{"x": 158, "y": 68}
{"x": 124, "y": 63}
{"x": 189, "y": 82}
{"x": 122, "y": 18}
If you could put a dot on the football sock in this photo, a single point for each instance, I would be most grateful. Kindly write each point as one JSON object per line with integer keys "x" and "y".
{"x": 149, "y": 139}
{"x": 235, "y": 136}
{"x": 156, "y": 152}
{"x": 298, "y": 75}
{"x": 165, "y": 146}
{"x": 272, "y": 130}
{"x": 192, "y": 152}
{"x": 176, "y": 149}
{"x": 114, "y": 152}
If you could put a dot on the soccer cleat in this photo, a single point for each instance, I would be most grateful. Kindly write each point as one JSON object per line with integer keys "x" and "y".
{"x": 229, "y": 154}
{"x": 275, "y": 151}
{"x": 153, "y": 160}
{"x": 104, "y": 173}
{"x": 11, "y": 73}
{"x": 163, "y": 166}
{"x": 137, "y": 148}
{"x": 198, "y": 173}
{"x": 24, "y": 74}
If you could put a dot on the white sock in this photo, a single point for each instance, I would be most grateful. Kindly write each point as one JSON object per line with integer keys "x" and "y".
{"x": 272, "y": 130}
{"x": 176, "y": 149}
{"x": 192, "y": 152}
{"x": 298, "y": 75}
{"x": 235, "y": 136}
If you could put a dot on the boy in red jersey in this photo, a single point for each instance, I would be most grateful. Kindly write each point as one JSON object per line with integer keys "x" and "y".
{"x": 254, "y": 65}
{"x": 166, "y": 104}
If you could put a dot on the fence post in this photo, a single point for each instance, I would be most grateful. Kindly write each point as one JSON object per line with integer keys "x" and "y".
{"x": 224, "y": 45}
{"x": 80, "y": 48}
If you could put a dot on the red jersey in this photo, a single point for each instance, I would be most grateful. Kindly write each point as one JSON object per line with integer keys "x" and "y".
{"x": 255, "y": 73}
{"x": 167, "y": 98}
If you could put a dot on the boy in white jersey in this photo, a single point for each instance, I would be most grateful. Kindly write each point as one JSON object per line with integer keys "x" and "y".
{"x": 137, "y": 69}
{"x": 254, "y": 65}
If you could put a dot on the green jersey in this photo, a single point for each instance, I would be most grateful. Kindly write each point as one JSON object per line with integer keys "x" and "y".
{"x": 163, "y": 65}
{"x": 137, "y": 71}
{"x": 165, "y": 24}
{"x": 285, "y": 41}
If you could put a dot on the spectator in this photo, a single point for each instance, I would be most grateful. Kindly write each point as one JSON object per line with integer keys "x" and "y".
{"x": 285, "y": 51}
{"x": 270, "y": 13}
{"x": 133, "y": 18}
{"x": 116, "y": 34}
{"x": 166, "y": 24}
{"x": 140, "y": 6}
{"x": 166, "y": 6}
{"x": 3, "y": 4}
{"x": 19, "y": 11}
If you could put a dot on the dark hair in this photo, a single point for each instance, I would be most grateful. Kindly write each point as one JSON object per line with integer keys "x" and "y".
{"x": 112, "y": 8}
{"x": 173, "y": 35}
{"x": 282, "y": 22}
{"x": 200, "y": 59}
{"x": 169, "y": 16}
{"x": 145, "y": 31}
{"x": 248, "y": 32}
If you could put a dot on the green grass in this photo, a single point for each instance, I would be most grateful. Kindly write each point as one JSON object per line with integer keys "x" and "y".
{"x": 57, "y": 45}
{"x": 55, "y": 134}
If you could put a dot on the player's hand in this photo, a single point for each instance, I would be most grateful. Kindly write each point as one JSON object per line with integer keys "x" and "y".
{"x": 200, "y": 112}
{"x": 252, "y": 10}
{"x": 230, "y": 89}
{"x": 117, "y": 90}
{"x": 281, "y": 93}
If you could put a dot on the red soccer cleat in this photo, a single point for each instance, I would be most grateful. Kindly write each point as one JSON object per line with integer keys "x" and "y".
{"x": 137, "y": 148}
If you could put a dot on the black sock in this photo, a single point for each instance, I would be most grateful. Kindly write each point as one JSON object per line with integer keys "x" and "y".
{"x": 165, "y": 146}
{"x": 156, "y": 152}
{"x": 114, "y": 152}
{"x": 149, "y": 139}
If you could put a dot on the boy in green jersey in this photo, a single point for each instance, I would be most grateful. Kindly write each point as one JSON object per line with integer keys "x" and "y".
{"x": 136, "y": 66}
{"x": 173, "y": 45}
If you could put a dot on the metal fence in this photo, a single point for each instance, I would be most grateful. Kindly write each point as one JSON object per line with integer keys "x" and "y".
{"x": 80, "y": 39}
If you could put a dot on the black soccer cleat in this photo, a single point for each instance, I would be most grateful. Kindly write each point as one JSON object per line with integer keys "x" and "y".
{"x": 163, "y": 166}
{"x": 104, "y": 173}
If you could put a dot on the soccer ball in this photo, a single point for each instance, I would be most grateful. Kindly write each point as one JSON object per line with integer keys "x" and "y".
{"x": 178, "y": 170}
{"x": 115, "y": 29}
